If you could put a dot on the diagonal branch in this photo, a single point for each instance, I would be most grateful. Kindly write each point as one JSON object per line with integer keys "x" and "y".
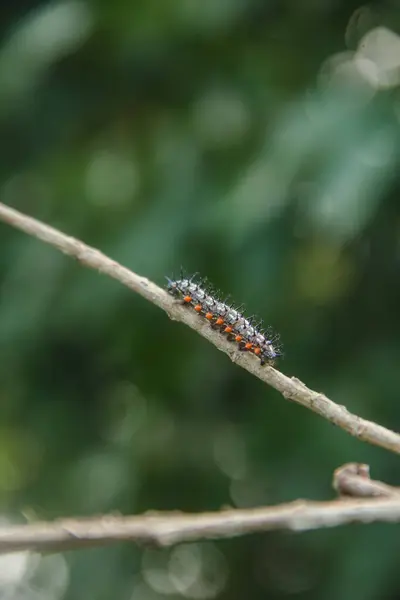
{"x": 290, "y": 388}
{"x": 167, "y": 529}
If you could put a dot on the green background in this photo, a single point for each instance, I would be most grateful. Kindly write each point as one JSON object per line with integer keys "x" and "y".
{"x": 246, "y": 141}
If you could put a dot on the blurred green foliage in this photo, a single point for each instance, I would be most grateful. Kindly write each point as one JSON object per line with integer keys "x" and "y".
{"x": 258, "y": 143}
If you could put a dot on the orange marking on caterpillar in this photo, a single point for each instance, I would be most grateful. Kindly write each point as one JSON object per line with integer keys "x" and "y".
{"x": 238, "y": 338}
{"x": 228, "y": 329}
{"x": 187, "y": 299}
{"x": 197, "y": 308}
{"x": 219, "y": 321}
{"x": 209, "y": 316}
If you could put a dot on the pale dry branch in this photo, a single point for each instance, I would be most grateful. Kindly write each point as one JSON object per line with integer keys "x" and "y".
{"x": 167, "y": 529}
{"x": 290, "y": 388}
{"x": 353, "y": 479}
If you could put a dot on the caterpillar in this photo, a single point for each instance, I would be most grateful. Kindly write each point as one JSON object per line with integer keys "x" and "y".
{"x": 226, "y": 318}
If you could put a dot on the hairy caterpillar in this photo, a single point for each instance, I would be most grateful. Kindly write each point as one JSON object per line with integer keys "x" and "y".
{"x": 226, "y": 318}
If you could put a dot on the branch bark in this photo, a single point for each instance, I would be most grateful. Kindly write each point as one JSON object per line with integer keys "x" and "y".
{"x": 167, "y": 529}
{"x": 291, "y": 388}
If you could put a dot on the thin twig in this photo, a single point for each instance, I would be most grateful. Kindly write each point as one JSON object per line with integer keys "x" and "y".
{"x": 290, "y": 388}
{"x": 353, "y": 479}
{"x": 167, "y": 529}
